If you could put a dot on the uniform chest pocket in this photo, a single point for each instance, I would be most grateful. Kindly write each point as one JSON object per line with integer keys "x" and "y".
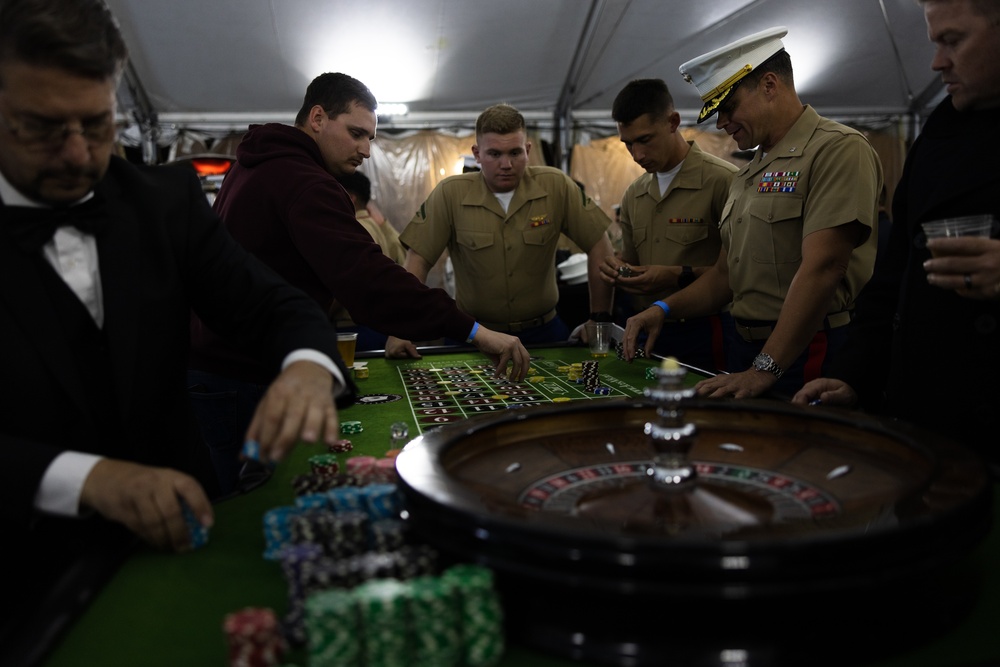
{"x": 537, "y": 236}
{"x": 779, "y": 239}
{"x": 536, "y": 258}
{"x": 686, "y": 233}
{"x": 474, "y": 240}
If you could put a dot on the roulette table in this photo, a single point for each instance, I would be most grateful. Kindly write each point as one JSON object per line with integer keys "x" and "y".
{"x": 588, "y": 573}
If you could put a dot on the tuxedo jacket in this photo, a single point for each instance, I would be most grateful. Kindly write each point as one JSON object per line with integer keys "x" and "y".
{"x": 163, "y": 255}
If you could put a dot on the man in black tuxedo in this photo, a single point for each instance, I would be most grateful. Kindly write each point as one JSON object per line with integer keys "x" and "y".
{"x": 96, "y": 430}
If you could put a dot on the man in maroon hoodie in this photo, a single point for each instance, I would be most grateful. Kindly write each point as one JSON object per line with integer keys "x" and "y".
{"x": 282, "y": 202}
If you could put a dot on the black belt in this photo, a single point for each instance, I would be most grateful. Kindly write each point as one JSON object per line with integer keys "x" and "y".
{"x": 515, "y": 327}
{"x": 752, "y": 330}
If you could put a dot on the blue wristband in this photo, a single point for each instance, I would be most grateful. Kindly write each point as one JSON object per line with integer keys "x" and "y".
{"x": 472, "y": 334}
{"x": 664, "y": 307}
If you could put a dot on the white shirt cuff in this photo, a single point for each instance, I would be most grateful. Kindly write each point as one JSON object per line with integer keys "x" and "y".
{"x": 62, "y": 483}
{"x": 326, "y": 362}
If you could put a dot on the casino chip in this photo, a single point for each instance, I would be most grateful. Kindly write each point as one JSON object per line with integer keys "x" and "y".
{"x": 620, "y": 351}
{"x": 196, "y": 531}
{"x": 251, "y": 450}
{"x": 340, "y": 446}
{"x": 351, "y": 427}
{"x": 254, "y": 636}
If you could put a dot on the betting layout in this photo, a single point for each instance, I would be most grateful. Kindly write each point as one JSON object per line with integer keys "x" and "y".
{"x": 440, "y": 393}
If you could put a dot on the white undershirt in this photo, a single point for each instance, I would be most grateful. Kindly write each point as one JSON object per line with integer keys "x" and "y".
{"x": 73, "y": 254}
{"x": 504, "y": 199}
{"x": 665, "y": 178}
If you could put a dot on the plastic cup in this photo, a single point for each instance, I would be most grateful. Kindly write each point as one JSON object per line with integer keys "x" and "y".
{"x": 599, "y": 336}
{"x": 973, "y": 225}
{"x": 346, "y": 344}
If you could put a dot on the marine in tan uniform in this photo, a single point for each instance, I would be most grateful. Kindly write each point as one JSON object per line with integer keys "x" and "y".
{"x": 501, "y": 227}
{"x": 797, "y": 231}
{"x": 669, "y": 219}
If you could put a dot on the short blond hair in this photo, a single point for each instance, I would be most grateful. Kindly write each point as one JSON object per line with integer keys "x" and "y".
{"x": 499, "y": 119}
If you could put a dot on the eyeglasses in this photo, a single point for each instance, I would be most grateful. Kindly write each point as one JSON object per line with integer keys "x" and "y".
{"x": 42, "y": 134}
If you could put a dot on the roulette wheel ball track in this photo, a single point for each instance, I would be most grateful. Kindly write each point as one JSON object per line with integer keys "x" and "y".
{"x": 810, "y": 537}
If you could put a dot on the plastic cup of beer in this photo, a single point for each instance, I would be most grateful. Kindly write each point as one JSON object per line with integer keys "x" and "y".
{"x": 973, "y": 225}
{"x": 599, "y": 337}
{"x": 346, "y": 344}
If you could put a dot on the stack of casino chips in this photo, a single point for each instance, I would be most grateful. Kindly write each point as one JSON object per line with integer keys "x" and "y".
{"x": 620, "y": 351}
{"x": 590, "y": 375}
{"x": 333, "y": 626}
{"x": 308, "y": 573}
{"x": 255, "y": 638}
{"x": 340, "y": 446}
{"x": 324, "y": 464}
{"x": 480, "y": 612}
{"x": 453, "y": 620}
{"x": 359, "y": 471}
{"x": 437, "y": 633}
{"x": 351, "y": 427}
{"x": 384, "y": 610}
{"x": 313, "y": 483}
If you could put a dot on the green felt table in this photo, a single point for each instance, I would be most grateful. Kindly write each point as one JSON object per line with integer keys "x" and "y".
{"x": 167, "y": 609}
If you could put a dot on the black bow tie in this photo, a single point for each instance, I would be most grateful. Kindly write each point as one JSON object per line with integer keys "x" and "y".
{"x": 31, "y": 228}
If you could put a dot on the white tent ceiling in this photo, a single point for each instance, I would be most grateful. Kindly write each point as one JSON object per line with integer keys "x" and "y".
{"x": 208, "y": 62}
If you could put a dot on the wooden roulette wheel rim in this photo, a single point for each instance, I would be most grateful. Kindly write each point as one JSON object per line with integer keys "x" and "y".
{"x": 791, "y": 504}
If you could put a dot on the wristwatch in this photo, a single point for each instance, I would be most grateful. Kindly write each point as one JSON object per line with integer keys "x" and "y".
{"x": 686, "y": 278}
{"x": 764, "y": 362}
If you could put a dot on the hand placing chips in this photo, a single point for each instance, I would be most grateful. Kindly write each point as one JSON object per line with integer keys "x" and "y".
{"x": 197, "y": 532}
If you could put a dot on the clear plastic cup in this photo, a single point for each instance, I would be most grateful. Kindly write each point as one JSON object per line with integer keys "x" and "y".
{"x": 346, "y": 344}
{"x": 972, "y": 225}
{"x": 599, "y": 336}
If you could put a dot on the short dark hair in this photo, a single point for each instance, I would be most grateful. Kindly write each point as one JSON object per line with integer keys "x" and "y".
{"x": 642, "y": 96}
{"x": 334, "y": 92}
{"x": 780, "y": 64}
{"x": 988, "y": 8}
{"x": 358, "y": 185}
{"x": 79, "y": 36}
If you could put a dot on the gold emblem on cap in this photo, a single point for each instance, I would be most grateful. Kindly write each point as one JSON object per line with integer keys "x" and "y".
{"x": 717, "y": 95}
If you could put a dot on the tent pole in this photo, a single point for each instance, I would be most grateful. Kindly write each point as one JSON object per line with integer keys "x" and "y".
{"x": 569, "y": 88}
{"x": 133, "y": 99}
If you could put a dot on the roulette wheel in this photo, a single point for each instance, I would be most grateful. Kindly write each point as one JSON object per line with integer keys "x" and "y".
{"x": 670, "y": 530}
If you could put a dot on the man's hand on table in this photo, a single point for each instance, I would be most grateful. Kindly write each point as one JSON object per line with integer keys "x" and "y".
{"x": 502, "y": 348}
{"x": 398, "y": 348}
{"x": 299, "y": 405}
{"x": 746, "y": 384}
{"x": 826, "y": 391}
{"x": 147, "y": 501}
{"x": 649, "y": 321}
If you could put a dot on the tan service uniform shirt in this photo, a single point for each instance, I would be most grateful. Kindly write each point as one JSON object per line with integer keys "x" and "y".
{"x": 680, "y": 227}
{"x": 385, "y": 235}
{"x": 820, "y": 175}
{"x": 504, "y": 262}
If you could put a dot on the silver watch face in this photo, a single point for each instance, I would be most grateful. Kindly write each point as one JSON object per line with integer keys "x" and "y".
{"x": 764, "y": 362}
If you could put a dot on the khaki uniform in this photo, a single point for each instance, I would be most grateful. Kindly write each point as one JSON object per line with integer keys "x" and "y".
{"x": 385, "y": 235}
{"x": 504, "y": 262}
{"x": 820, "y": 175}
{"x": 680, "y": 227}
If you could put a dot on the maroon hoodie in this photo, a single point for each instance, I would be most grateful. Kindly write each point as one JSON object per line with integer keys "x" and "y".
{"x": 279, "y": 202}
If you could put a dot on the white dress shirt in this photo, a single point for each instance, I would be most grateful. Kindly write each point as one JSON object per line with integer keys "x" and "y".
{"x": 73, "y": 254}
